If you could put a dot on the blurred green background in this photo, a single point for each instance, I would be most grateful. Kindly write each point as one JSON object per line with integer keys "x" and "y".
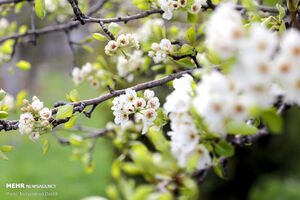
{"x": 28, "y": 165}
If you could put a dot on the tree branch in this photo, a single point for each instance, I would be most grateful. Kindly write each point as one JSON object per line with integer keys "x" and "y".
{"x": 79, "y": 106}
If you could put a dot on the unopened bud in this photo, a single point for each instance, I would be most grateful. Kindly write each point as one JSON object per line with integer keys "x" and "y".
{"x": 25, "y": 102}
{"x": 45, "y": 123}
{"x": 24, "y": 109}
{"x": 34, "y": 98}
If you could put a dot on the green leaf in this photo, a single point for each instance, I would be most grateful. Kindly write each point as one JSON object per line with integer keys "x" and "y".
{"x": 142, "y": 192}
{"x": 186, "y": 49}
{"x": 218, "y": 168}
{"x": 158, "y": 139}
{"x": 4, "y": 108}
{"x": 99, "y": 36}
{"x": 7, "y": 148}
{"x": 2, "y": 94}
{"x": 40, "y": 8}
{"x": 88, "y": 48}
{"x": 3, "y": 114}
{"x": 161, "y": 119}
{"x": 192, "y": 18}
{"x": 281, "y": 11}
{"x": 186, "y": 62}
{"x": 24, "y": 65}
{"x": 225, "y": 149}
{"x": 64, "y": 111}
{"x": 130, "y": 168}
{"x": 272, "y": 120}
{"x": 191, "y": 34}
{"x": 114, "y": 28}
{"x": 71, "y": 122}
{"x": 116, "y": 169}
{"x": 76, "y": 140}
{"x": 144, "y": 6}
{"x": 21, "y": 95}
{"x": 73, "y": 96}
{"x": 240, "y": 128}
{"x": 46, "y": 147}
{"x": 282, "y": 29}
{"x": 250, "y": 5}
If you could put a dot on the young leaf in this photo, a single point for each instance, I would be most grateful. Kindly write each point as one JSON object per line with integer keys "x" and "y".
{"x": 99, "y": 36}
{"x": 191, "y": 18}
{"x": 76, "y": 140}
{"x": 24, "y": 65}
{"x": 46, "y": 146}
{"x": 225, "y": 149}
{"x": 40, "y": 8}
{"x": 186, "y": 62}
{"x": 218, "y": 168}
{"x": 7, "y": 148}
{"x": 2, "y": 94}
{"x": 272, "y": 120}
{"x": 114, "y": 28}
{"x": 21, "y": 95}
{"x": 64, "y": 111}
{"x": 71, "y": 122}
{"x": 186, "y": 49}
{"x": 240, "y": 128}
{"x": 3, "y": 114}
{"x": 191, "y": 34}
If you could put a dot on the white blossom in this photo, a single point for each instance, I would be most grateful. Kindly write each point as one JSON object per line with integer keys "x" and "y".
{"x": 26, "y": 118}
{"x": 45, "y": 113}
{"x": 148, "y": 94}
{"x": 224, "y": 30}
{"x": 37, "y": 105}
{"x": 34, "y": 136}
{"x": 165, "y": 45}
{"x": 123, "y": 40}
{"x": 139, "y": 103}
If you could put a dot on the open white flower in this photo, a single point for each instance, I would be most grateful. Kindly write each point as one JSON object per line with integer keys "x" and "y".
{"x": 148, "y": 94}
{"x": 165, "y": 45}
{"x": 26, "y": 118}
{"x": 153, "y": 103}
{"x": 120, "y": 116}
{"x": 37, "y": 105}
{"x": 149, "y": 115}
{"x": 35, "y": 136}
{"x": 139, "y": 103}
{"x": 123, "y": 40}
{"x": 130, "y": 95}
{"x": 45, "y": 113}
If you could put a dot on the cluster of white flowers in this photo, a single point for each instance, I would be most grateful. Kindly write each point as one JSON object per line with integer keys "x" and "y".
{"x": 126, "y": 66}
{"x": 265, "y": 67}
{"x": 224, "y": 30}
{"x": 168, "y": 6}
{"x": 35, "y": 119}
{"x": 128, "y": 40}
{"x": 144, "y": 108}
{"x": 218, "y": 100}
{"x": 87, "y": 72}
{"x": 287, "y": 67}
{"x": 184, "y": 134}
{"x": 160, "y": 51}
{"x": 8, "y": 101}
